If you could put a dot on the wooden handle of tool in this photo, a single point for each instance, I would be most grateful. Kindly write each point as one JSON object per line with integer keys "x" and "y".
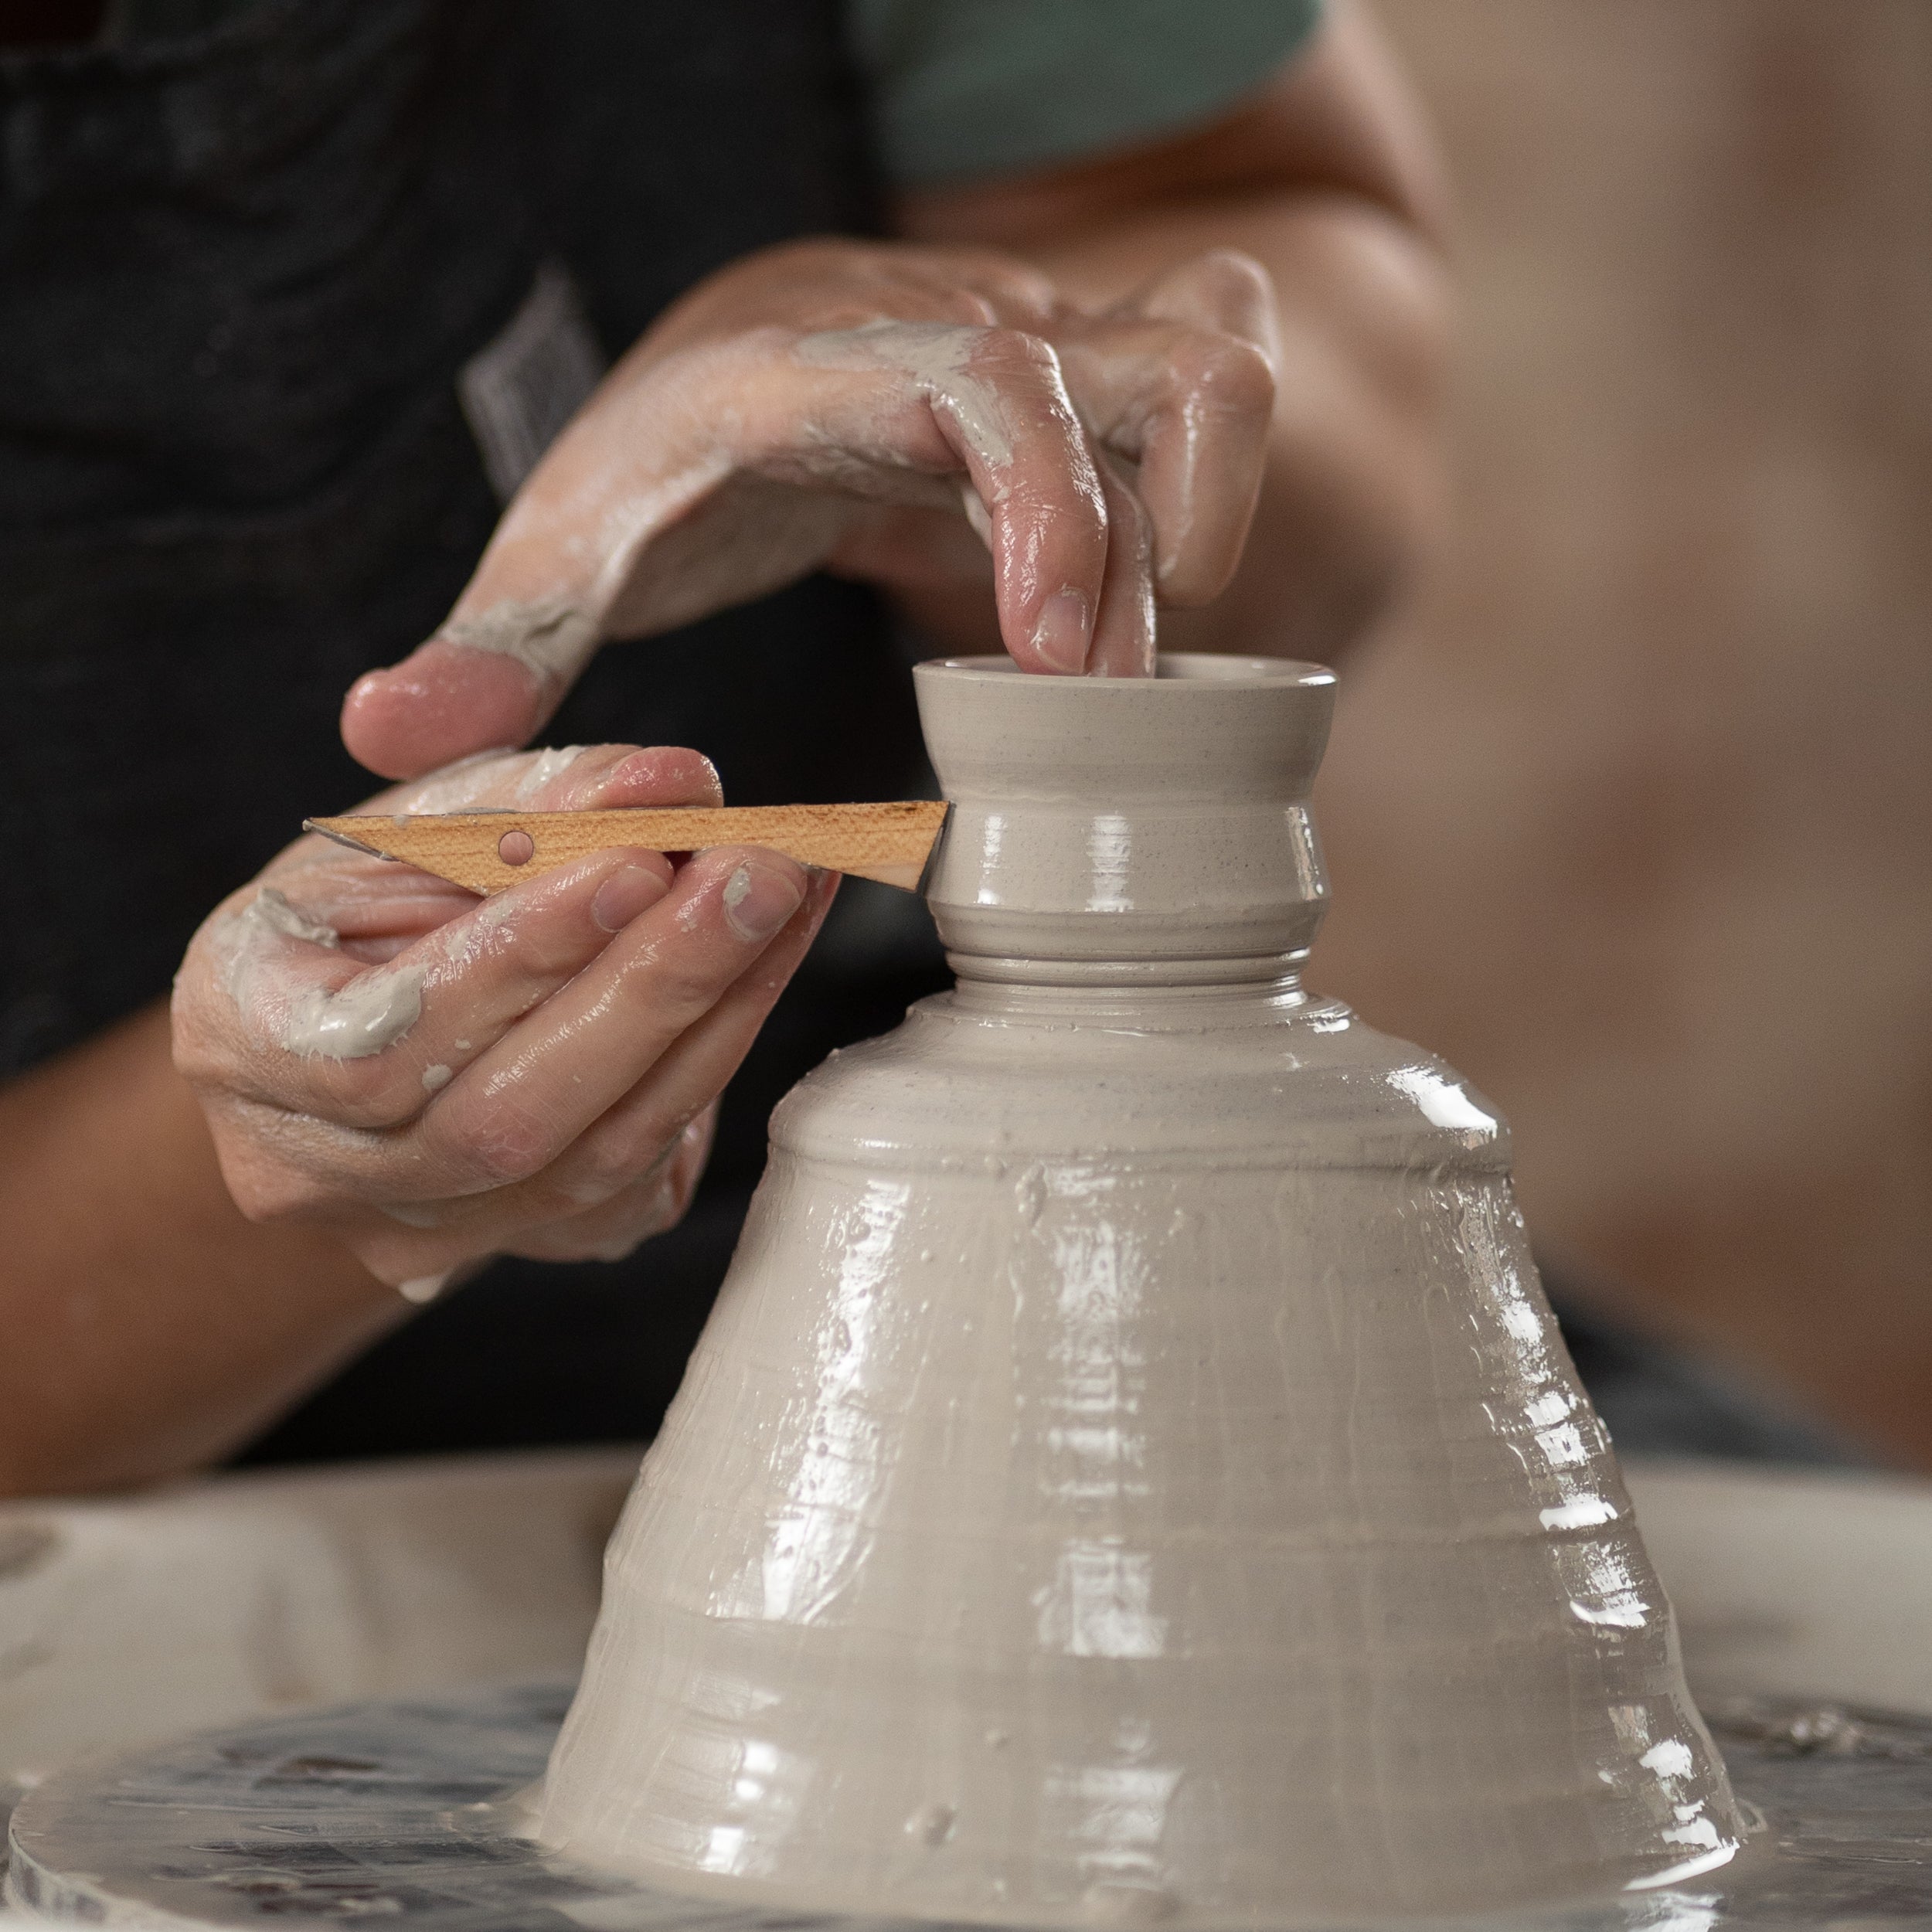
{"x": 888, "y": 842}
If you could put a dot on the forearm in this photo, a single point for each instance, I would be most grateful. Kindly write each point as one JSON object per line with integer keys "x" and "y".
{"x": 149, "y": 1327}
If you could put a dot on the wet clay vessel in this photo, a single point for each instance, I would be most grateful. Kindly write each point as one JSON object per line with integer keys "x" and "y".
{"x": 1131, "y": 1475}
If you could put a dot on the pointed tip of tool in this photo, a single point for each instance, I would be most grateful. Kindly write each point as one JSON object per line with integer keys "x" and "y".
{"x": 332, "y": 828}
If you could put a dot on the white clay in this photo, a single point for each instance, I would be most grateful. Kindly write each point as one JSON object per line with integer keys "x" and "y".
{"x": 373, "y": 1011}
{"x": 544, "y": 767}
{"x": 1131, "y": 1475}
{"x": 249, "y": 946}
{"x": 270, "y": 908}
{"x": 938, "y": 356}
{"x": 552, "y": 637}
{"x": 462, "y": 785}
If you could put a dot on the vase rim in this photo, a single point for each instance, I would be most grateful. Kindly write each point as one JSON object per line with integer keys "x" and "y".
{"x": 1172, "y": 668}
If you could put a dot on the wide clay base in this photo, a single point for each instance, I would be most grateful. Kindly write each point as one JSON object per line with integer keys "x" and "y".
{"x": 403, "y": 1811}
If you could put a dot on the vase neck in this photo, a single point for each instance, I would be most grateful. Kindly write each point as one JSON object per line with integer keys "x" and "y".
{"x": 1135, "y": 831}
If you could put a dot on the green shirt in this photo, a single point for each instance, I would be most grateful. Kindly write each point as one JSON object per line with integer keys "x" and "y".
{"x": 968, "y": 88}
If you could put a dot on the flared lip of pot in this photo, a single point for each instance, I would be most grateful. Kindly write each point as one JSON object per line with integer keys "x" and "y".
{"x": 1174, "y": 670}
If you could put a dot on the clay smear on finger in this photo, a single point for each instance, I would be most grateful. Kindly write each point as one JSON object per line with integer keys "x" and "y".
{"x": 484, "y": 779}
{"x": 547, "y": 765}
{"x": 458, "y": 786}
{"x": 260, "y": 974}
{"x": 552, "y": 637}
{"x": 944, "y": 364}
{"x": 938, "y": 358}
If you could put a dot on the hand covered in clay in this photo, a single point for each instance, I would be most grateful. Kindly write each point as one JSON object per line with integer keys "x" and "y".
{"x": 866, "y": 407}
{"x": 439, "y": 1079}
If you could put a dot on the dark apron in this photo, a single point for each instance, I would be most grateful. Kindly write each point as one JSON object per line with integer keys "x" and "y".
{"x": 240, "y": 275}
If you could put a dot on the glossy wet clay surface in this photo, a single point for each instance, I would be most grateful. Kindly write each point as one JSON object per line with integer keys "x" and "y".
{"x": 403, "y": 1813}
{"x": 1131, "y": 1474}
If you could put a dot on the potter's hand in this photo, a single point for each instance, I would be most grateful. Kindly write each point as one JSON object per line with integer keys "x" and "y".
{"x": 437, "y": 1080}
{"x": 865, "y": 406}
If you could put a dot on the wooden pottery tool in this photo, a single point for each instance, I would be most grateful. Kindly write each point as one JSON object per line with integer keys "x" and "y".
{"x": 485, "y": 851}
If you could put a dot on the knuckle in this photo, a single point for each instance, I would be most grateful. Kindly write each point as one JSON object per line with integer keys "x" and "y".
{"x": 499, "y": 1143}
{"x": 1016, "y": 283}
{"x": 201, "y": 1038}
{"x": 676, "y": 985}
{"x": 279, "y": 1165}
{"x": 600, "y": 1173}
{"x": 368, "y": 1093}
{"x": 509, "y": 1151}
{"x": 543, "y": 950}
{"x": 1021, "y": 352}
{"x": 1231, "y": 276}
{"x": 355, "y": 1093}
{"x": 641, "y": 1150}
{"x": 198, "y": 1058}
{"x": 259, "y": 1202}
{"x": 1230, "y": 376}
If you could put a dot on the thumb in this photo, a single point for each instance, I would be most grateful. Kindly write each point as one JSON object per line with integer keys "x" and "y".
{"x": 527, "y": 623}
{"x": 487, "y": 680}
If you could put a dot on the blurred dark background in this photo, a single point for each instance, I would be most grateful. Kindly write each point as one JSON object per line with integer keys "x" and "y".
{"x": 1631, "y": 816}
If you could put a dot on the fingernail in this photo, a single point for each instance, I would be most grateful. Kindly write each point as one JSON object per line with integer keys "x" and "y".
{"x": 629, "y": 890}
{"x": 689, "y": 776}
{"x": 758, "y": 900}
{"x": 1064, "y": 630}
